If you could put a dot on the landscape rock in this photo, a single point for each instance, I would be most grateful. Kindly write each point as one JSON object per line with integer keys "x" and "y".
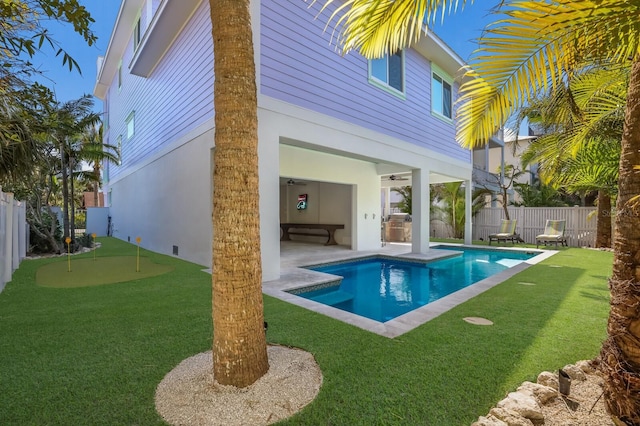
{"x": 574, "y": 372}
{"x": 523, "y": 404}
{"x": 510, "y": 417}
{"x": 548, "y": 379}
{"x": 586, "y": 367}
{"x": 489, "y": 421}
{"x": 540, "y": 392}
{"x": 585, "y": 407}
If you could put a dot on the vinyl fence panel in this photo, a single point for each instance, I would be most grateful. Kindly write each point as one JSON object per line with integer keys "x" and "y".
{"x": 13, "y": 239}
{"x": 580, "y": 227}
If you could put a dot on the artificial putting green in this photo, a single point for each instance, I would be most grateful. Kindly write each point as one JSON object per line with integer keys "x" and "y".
{"x": 103, "y": 270}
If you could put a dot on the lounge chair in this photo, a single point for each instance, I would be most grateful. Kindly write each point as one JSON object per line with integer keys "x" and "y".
{"x": 507, "y": 232}
{"x": 553, "y": 233}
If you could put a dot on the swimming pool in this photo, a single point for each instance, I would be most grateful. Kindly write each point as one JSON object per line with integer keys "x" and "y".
{"x": 383, "y": 288}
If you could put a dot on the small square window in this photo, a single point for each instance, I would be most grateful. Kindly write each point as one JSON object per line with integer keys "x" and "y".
{"x": 131, "y": 129}
{"x": 441, "y": 95}
{"x": 388, "y": 70}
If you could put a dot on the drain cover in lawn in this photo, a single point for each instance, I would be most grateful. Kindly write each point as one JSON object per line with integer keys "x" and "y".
{"x": 478, "y": 321}
{"x": 102, "y": 270}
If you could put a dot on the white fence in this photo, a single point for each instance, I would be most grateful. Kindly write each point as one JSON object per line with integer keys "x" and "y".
{"x": 13, "y": 236}
{"x": 580, "y": 229}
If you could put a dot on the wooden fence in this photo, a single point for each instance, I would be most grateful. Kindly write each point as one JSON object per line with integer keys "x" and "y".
{"x": 13, "y": 236}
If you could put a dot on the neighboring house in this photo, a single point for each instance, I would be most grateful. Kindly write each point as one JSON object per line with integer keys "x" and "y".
{"x": 330, "y": 127}
{"x": 88, "y": 200}
{"x": 505, "y": 148}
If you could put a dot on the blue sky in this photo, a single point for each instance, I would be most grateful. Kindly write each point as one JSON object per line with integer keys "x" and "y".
{"x": 458, "y": 31}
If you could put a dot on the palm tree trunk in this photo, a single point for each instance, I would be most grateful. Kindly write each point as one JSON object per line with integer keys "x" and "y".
{"x": 621, "y": 351}
{"x": 65, "y": 193}
{"x": 603, "y": 223}
{"x": 96, "y": 185}
{"x": 505, "y": 207}
{"x": 239, "y": 341}
{"x": 72, "y": 205}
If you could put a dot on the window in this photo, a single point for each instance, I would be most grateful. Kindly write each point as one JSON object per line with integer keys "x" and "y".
{"x": 131, "y": 129}
{"x": 119, "y": 75}
{"x": 119, "y": 145}
{"x": 136, "y": 35}
{"x": 388, "y": 70}
{"x": 441, "y": 92}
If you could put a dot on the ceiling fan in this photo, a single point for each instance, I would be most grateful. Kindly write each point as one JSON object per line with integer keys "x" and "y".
{"x": 395, "y": 178}
{"x": 292, "y": 182}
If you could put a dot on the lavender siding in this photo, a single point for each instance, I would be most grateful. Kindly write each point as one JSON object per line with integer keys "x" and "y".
{"x": 145, "y": 19}
{"x": 154, "y": 5}
{"x": 299, "y": 65}
{"x": 175, "y": 99}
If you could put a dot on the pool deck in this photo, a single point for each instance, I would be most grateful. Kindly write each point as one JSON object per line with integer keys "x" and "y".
{"x": 295, "y": 255}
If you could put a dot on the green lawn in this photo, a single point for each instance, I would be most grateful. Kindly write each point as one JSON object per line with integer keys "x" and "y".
{"x": 94, "y": 355}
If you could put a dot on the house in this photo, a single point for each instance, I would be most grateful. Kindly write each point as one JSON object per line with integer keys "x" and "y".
{"x": 504, "y": 149}
{"x": 330, "y": 127}
{"x": 89, "y": 199}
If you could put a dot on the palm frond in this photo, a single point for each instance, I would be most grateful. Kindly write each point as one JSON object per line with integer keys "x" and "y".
{"x": 379, "y": 27}
{"x": 534, "y": 49}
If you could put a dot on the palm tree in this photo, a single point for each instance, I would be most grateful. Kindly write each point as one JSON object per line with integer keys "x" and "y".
{"x": 581, "y": 121}
{"x": 94, "y": 151}
{"x": 452, "y": 212}
{"x": 537, "y": 45}
{"x": 239, "y": 341}
{"x": 405, "y": 204}
{"x": 67, "y": 122}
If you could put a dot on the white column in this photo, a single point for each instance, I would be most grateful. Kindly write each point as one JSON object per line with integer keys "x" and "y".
{"x": 420, "y": 211}
{"x": 486, "y": 167}
{"x": 387, "y": 202}
{"x": 468, "y": 189}
{"x": 269, "y": 172}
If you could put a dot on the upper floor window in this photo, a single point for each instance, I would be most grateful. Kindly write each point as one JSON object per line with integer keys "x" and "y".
{"x": 131, "y": 125}
{"x": 119, "y": 75}
{"x": 441, "y": 93}
{"x": 136, "y": 35}
{"x": 388, "y": 70}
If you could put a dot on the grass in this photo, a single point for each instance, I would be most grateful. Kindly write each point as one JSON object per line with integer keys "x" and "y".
{"x": 94, "y": 355}
{"x": 101, "y": 270}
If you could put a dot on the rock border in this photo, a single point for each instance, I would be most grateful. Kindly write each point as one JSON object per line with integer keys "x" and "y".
{"x": 542, "y": 403}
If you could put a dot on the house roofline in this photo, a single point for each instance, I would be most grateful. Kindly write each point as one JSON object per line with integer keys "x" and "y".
{"x": 118, "y": 41}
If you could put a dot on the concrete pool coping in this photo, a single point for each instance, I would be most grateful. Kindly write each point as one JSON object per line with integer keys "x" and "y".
{"x": 293, "y": 276}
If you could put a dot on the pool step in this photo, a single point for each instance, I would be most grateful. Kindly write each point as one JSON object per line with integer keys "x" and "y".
{"x": 333, "y": 298}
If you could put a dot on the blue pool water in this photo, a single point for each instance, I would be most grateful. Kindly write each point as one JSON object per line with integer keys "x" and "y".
{"x": 383, "y": 288}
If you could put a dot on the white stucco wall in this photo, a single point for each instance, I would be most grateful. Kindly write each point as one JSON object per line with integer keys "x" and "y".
{"x": 327, "y": 203}
{"x": 167, "y": 201}
{"x": 357, "y": 184}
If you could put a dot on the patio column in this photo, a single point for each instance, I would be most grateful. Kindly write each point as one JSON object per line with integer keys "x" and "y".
{"x": 387, "y": 202}
{"x": 468, "y": 189}
{"x": 420, "y": 211}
